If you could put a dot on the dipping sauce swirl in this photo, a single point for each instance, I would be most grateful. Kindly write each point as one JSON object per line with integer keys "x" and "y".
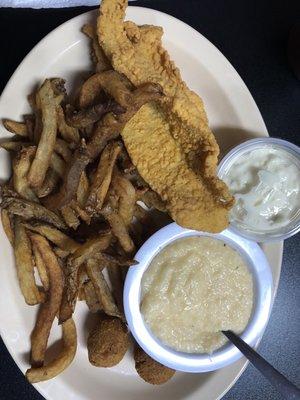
{"x": 194, "y": 288}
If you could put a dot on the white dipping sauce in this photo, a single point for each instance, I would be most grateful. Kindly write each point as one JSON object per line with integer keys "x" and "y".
{"x": 266, "y": 185}
{"x": 194, "y": 288}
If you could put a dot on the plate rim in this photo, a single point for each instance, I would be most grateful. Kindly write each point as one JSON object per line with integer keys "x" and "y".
{"x": 138, "y": 9}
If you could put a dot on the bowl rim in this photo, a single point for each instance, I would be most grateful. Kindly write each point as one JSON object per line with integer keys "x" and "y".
{"x": 248, "y": 145}
{"x": 193, "y": 362}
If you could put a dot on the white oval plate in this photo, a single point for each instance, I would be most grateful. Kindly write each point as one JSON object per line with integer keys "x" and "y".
{"x": 233, "y": 117}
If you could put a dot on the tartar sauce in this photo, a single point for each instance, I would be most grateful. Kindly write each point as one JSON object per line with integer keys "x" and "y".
{"x": 266, "y": 185}
{"x": 194, "y": 288}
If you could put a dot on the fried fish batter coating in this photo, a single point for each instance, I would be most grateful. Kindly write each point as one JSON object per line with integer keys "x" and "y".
{"x": 160, "y": 162}
{"x": 142, "y": 59}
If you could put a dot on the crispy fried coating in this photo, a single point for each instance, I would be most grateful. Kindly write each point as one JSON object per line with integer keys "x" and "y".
{"x": 150, "y": 370}
{"x": 108, "y": 342}
{"x": 163, "y": 166}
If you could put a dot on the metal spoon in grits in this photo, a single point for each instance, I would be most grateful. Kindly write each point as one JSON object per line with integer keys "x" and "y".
{"x": 288, "y": 390}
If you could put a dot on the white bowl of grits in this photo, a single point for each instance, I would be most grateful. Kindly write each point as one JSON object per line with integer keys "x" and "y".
{"x": 187, "y": 287}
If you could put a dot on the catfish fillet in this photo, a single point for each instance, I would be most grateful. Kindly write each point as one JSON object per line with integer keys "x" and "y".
{"x": 159, "y": 160}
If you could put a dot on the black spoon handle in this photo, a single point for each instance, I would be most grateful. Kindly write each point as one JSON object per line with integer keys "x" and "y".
{"x": 284, "y": 386}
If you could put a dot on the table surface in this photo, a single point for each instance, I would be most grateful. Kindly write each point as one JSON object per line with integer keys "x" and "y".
{"x": 253, "y": 36}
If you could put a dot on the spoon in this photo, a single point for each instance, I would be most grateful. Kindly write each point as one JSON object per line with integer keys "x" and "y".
{"x": 283, "y": 385}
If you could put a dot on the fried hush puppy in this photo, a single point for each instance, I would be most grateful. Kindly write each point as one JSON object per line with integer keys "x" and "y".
{"x": 108, "y": 342}
{"x": 150, "y": 370}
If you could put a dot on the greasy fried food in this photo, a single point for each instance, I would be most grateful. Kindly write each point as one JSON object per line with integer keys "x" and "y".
{"x": 49, "y": 184}
{"x": 41, "y": 267}
{"x": 47, "y": 140}
{"x": 102, "y": 178}
{"x": 152, "y": 199}
{"x": 125, "y": 192}
{"x": 150, "y": 370}
{"x": 158, "y": 158}
{"x": 71, "y": 272}
{"x": 108, "y": 342}
{"x": 7, "y": 225}
{"x": 82, "y": 119}
{"x": 99, "y": 58}
{"x": 19, "y": 128}
{"x": 80, "y": 212}
{"x": 25, "y": 271}
{"x": 63, "y": 360}
{"x": 21, "y": 166}
{"x": 118, "y": 227}
{"x": 57, "y": 164}
{"x": 54, "y": 236}
{"x": 83, "y": 190}
{"x": 102, "y": 289}
{"x": 145, "y": 66}
{"x": 70, "y": 217}
{"x": 117, "y": 283}
{"x": 49, "y": 309}
{"x": 72, "y": 178}
{"x": 91, "y": 298}
{"x": 68, "y": 133}
{"x": 13, "y": 145}
{"x": 29, "y": 210}
{"x": 184, "y": 115}
{"x": 61, "y": 147}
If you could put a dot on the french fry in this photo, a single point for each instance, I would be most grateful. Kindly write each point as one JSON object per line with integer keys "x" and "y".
{"x": 29, "y": 122}
{"x": 49, "y": 309}
{"x": 80, "y": 212}
{"x": 7, "y": 225}
{"x": 117, "y": 284}
{"x": 21, "y": 166}
{"x": 18, "y": 128}
{"x": 125, "y": 191}
{"x": 102, "y": 179}
{"x": 41, "y": 267}
{"x": 118, "y": 228}
{"x": 13, "y": 145}
{"x": 102, "y": 289}
{"x": 57, "y": 164}
{"x": 63, "y": 360}
{"x": 49, "y": 184}
{"x": 91, "y": 298}
{"x": 91, "y": 92}
{"x": 47, "y": 140}
{"x": 152, "y": 199}
{"x": 55, "y": 236}
{"x": 30, "y": 210}
{"x": 88, "y": 116}
{"x": 81, "y": 255}
{"x": 70, "y": 217}
{"x": 83, "y": 189}
{"x": 68, "y": 133}
{"x": 62, "y": 149}
{"x": 25, "y": 268}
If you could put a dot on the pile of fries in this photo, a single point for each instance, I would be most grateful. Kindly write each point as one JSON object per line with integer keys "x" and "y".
{"x": 73, "y": 208}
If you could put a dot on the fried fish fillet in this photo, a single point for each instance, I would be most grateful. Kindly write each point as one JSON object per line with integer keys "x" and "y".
{"x": 142, "y": 58}
{"x": 161, "y": 163}
{"x": 138, "y": 54}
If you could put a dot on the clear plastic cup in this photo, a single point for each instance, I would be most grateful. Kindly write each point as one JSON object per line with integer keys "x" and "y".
{"x": 262, "y": 235}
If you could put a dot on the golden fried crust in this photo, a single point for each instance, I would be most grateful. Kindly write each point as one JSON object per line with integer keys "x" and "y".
{"x": 160, "y": 162}
{"x": 150, "y": 370}
{"x": 142, "y": 58}
{"x": 108, "y": 342}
